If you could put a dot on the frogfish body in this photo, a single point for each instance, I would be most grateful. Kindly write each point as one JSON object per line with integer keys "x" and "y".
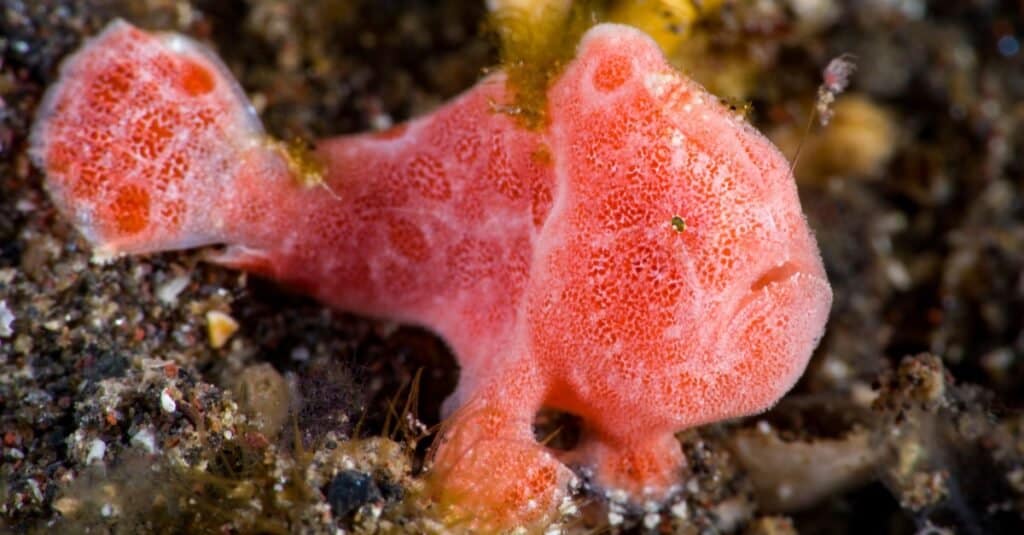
{"x": 640, "y": 261}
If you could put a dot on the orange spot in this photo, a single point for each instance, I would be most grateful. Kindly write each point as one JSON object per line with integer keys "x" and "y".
{"x": 612, "y": 72}
{"x": 130, "y": 210}
{"x": 59, "y": 159}
{"x": 407, "y": 238}
{"x": 203, "y": 118}
{"x": 500, "y": 174}
{"x": 427, "y": 175}
{"x": 172, "y": 214}
{"x": 466, "y": 148}
{"x": 195, "y": 79}
{"x": 620, "y": 211}
{"x": 470, "y": 261}
{"x": 540, "y": 203}
{"x": 172, "y": 170}
{"x": 151, "y": 134}
{"x": 110, "y": 86}
{"x": 88, "y": 181}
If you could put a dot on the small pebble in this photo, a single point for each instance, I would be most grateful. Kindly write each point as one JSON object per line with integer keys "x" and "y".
{"x": 168, "y": 292}
{"x": 350, "y": 490}
{"x": 6, "y": 319}
{"x": 167, "y": 402}
{"x": 33, "y": 485}
{"x": 144, "y": 439}
{"x": 97, "y": 449}
{"x": 67, "y": 506}
{"x": 300, "y": 354}
{"x": 220, "y": 327}
{"x": 680, "y": 510}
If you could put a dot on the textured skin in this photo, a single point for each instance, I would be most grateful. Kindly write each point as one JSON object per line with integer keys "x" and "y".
{"x": 555, "y": 263}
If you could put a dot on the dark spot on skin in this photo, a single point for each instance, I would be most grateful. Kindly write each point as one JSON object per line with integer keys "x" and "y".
{"x": 678, "y": 223}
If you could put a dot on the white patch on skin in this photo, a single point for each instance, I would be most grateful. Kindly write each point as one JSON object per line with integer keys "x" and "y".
{"x": 677, "y": 138}
{"x": 658, "y": 83}
{"x": 178, "y": 43}
{"x": 673, "y": 332}
{"x": 773, "y": 226}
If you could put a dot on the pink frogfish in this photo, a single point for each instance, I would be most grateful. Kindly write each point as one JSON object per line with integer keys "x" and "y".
{"x": 640, "y": 261}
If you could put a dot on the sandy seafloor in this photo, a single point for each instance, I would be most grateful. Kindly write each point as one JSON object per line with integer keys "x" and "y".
{"x": 908, "y": 419}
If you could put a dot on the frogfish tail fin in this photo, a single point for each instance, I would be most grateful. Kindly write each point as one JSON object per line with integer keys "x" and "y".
{"x": 142, "y": 139}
